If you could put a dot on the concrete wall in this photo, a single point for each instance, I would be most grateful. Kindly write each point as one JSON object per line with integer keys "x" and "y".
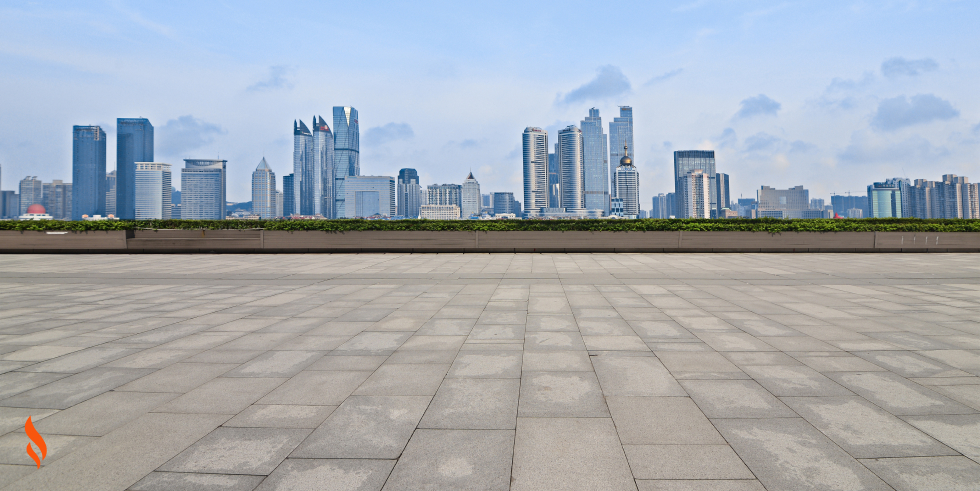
{"x": 272, "y": 241}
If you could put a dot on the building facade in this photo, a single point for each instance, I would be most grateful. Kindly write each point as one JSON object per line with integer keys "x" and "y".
{"x": 469, "y": 197}
{"x": 302, "y": 169}
{"x": 369, "y": 196}
{"x": 695, "y": 194}
{"x": 791, "y": 203}
{"x": 264, "y": 194}
{"x": 620, "y": 136}
{"x": 722, "y": 197}
{"x": 596, "y": 170}
{"x": 154, "y": 187}
{"x": 31, "y": 193}
{"x": 504, "y": 203}
{"x": 202, "y": 186}
{"x": 346, "y": 152}
{"x": 554, "y": 180}
{"x": 110, "y": 194}
{"x": 444, "y": 194}
{"x": 628, "y": 185}
{"x": 9, "y": 204}
{"x": 134, "y": 143}
{"x": 534, "y": 143}
{"x": 663, "y": 206}
{"x": 572, "y": 160}
{"x": 439, "y": 212}
{"x": 841, "y": 204}
{"x": 322, "y": 170}
{"x": 885, "y": 201}
{"x": 409, "y": 193}
{"x": 288, "y": 197}
{"x": 57, "y": 198}
{"x": 88, "y": 172}
{"x": 686, "y": 161}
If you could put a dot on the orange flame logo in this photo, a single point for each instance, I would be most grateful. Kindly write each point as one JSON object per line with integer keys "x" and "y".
{"x": 36, "y": 438}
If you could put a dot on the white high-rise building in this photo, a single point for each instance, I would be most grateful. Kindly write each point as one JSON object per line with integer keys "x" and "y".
{"x": 571, "y": 157}
{"x": 264, "y": 192}
{"x": 470, "y": 197}
{"x": 596, "y": 170}
{"x": 368, "y": 196}
{"x": 695, "y": 189}
{"x": 628, "y": 185}
{"x": 535, "y": 148}
{"x": 202, "y": 189}
{"x": 620, "y": 135}
{"x": 322, "y": 169}
{"x": 153, "y": 190}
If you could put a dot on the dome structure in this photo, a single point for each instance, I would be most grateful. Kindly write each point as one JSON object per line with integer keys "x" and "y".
{"x": 626, "y": 160}
{"x": 36, "y": 209}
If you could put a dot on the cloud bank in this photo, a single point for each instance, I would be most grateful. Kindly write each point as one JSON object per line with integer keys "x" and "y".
{"x": 390, "y": 132}
{"x": 760, "y": 105}
{"x": 185, "y": 134}
{"x": 899, "y": 112}
{"x": 278, "y": 79}
{"x": 900, "y": 67}
{"x": 608, "y": 82}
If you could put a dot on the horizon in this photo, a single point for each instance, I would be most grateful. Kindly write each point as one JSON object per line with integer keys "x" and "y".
{"x": 890, "y": 92}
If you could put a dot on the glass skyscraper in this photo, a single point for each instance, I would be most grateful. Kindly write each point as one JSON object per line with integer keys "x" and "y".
{"x": 723, "y": 198}
{"x": 554, "y": 179}
{"x": 202, "y": 186}
{"x": 596, "y": 163}
{"x": 88, "y": 172}
{"x": 110, "y": 193}
{"x": 31, "y": 193}
{"x": 535, "y": 148}
{"x": 368, "y": 196}
{"x": 134, "y": 143}
{"x": 302, "y": 169}
{"x": 572, "y": 161}
{"x": 264, "y": 191}
{"x": 686, "y": 161}
{"x": 409, "y": 194}
{"x": 288, "y": 201}
{"x": 153, "y": 191}
{"x": 346, "y": 152}
{"x": 322, "y": 170}
{"x": 620, "y": 135}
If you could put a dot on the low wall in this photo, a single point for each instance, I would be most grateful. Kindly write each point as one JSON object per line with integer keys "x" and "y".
{"x": 274, "y": 241}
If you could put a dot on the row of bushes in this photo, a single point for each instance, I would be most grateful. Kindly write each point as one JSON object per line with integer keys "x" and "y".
{"x": 745, "y": 225}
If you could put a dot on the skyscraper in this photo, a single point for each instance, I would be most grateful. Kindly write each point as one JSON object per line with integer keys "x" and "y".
{"x": 57, "y": 199}
{"x": 288, "y": 196}
{"x": 153, "y": 191}
{"x": 686, "y": 161}
{"x": 596, "y": 163}
{"x": 264, "y": 191}
{"x": 722, "y": 197}
{"x": 346, "y": 152}
{"x": 368, "y": 196}
{"x": 572, "y": 161}
{"x": 534, "y": 143}
{"x": 134, "y": 143}
{"x": 303, "y": 177}
{"x": 110, "y": 194}
{"x": 885, "y": 200}
{"x": 323, "y": 199}
{"x": 469, "y": 197}
{"x": 31, "y": 193}
{"x": 628, "y": 185}
{"x": 88, "y": 171}
{"x": 202, "y": 185}
{"x": 554, "y": 180}
{"x": 663, "y": 206}
{"x": 620, "y": 136}
{"x": 444, "y": 194}
{"x": 409, "y": 193}
{"x": 694, "y": 193}
{"x": 504, "y": 203}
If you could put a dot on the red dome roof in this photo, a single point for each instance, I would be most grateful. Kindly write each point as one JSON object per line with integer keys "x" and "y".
{"x": 36, "y": 209}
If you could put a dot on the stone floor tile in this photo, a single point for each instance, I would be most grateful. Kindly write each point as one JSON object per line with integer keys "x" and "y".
{"x": 909, "y": 364}
{"x": 840, "y": 364}
{"x": 152, "y": 358}
{"x": 219, "y": 355}
{"x": 685, "y": 462}
{"x": 12, "y": 383}
{"x": 422, "y": 342}
{"x": 487, "y": 364}
{"x": 11, "y": 473}
{"x": 959, "y": 432}
{"x": 561, "y": 394}
{"x": 799, "y": 343}
{"x": 569, "y": 454}
{"x": 963, "y": 359}
{"x": 305, "y": 342}
{"x": 184, "y": 481}
{"x": 763, "y": 327}
{"x": 254, "y": 451}
{"x": 39, "y": 353}
{"x": 365, "y": 427}
{"x": 863, "y": 430}
{"x": 789, "y": 454}
{"x": 897, "y": 395}
{"x": 661, "y": 421}
{"x": 731, "y": 341}
{"x": 280, "y": 416}
{"x": 455, "y": 459}
{"x": 557, "y": 361}
{"x": 316, "y": 388}
{"x": 179, "y": 377}
{"x": 704, "y": 323}
{"x": 374, "y": 343}
{"x": 615, "y": 343}
{"x": 553, "y": 341}
{"x": 660, "y": 330}
{"x": 966, "y": 394}
{"x": 222, "y": 396}
{"x": 744, "y": 358}
{"x": 276, "y": 364}
{"x": 537, "y": 322}
{"x": 66, "y": 392}
{"x": 634, "y": 376}
{"x": 709, "y": 485}
{"x": 735, "y": 399}
{"x": 101, "y": 414}
{"x": 474, "y": 404}
{"x": 348, "y": 363}
{"x": 782, "y": 380}
{"x": 680, "y": 362}
{"x": 403, "y": 380}
{"x": 328, "y": 475}
{"x": 605, "y": 327}
{"x": 80, "y": 361}
{"x": 13, "y": 418}
{"x": 496, "y": 332}
{"x": 447, "y": 327}
{"x": 918, "y": 473}
{"x": 13, "y": 451}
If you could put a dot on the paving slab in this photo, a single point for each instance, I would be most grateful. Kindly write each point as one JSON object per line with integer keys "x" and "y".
{"x": 561, "y": 394}
{"x": 661, "y": 421}
{"x": 328, "y": 475}
{"x": 917, "y": 473}
{"x": 184, "y": 481}
{"x": 455, "y": 459}
{"x": 735, "y": 399}
{"x": 687, "y": 462}
{"x": 897, "y": 395}
{"x": 474, "y": 404}
{"x": 254, "y": 451}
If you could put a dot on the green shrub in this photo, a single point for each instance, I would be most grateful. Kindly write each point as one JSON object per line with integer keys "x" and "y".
{"x": 770, "y": 225}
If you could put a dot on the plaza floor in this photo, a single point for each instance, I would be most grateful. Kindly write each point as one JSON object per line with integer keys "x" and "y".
{"x": 640, "y": 372}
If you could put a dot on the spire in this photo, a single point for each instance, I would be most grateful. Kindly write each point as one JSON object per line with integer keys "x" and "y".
{"x": 626, "y": 160}
{"x": 471, "y": 176}
{"x": 263, "y": 165}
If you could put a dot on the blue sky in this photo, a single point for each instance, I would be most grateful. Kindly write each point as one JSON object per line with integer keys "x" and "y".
{"x": 829, "y": 94}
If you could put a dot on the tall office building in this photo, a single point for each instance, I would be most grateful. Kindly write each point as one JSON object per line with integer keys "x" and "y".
{"x": 663, "y": 206}
{"x": 469, "y": 197}
{"x": 288, "y": 196}
{"x": 369, "y": 196}
{"x": 9, "y": 204}
{"x": 722, "y": 197}
{"x": 110, "y": 193}
{"x": 346, "y": 153}
{"x": 885, "y": 200}
{"x": 504, "y": 203}
{"x": 323, "y": 161}
{"x": 154, "y": 190}
{"x": 572, "y": 160}
{"x": 905, "y": 189}
{"x": 628, "y": 185}
{"x": 686, "y": 161}
{"x": 264, "y": 191}
{"x": 202, "y": 185}
{"x": 303, "y": 178}
{"x": 31, "y": 193}
{"x": 534, "y": 143}
{"x": 783, "y": 203}
{"x": 88, "y": 172}
{"x": 596, "y": 163}
{"x": 841, "y": 204}
{"x": 554, "y": 179}
{"x": 694, "y": 194}
{"x": 409, "y": 194}
{"x": 444, "y": 194}
{"x": 279, "y": 203}
{"x": 56, "y": 199}
{"x": 134, "y": 143}
{"x": 620, "y": 136}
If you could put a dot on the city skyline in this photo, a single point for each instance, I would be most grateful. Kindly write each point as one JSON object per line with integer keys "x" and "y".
{"x": 886, "y": 91}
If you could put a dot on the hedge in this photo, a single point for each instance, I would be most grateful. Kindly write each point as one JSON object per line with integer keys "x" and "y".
{"x": 770, "y": 225}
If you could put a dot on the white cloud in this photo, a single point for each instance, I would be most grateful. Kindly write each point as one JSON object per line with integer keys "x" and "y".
{"x": 899, "y": 112}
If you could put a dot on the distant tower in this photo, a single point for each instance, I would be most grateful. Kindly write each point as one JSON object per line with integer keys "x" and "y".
{"x": 88, "y": 172}
{"x": 686, "y": 161}
{"x": 346, "y": 153}
{"x": 264, "y": 191}
{"x": 620, "y": 136}
{"x": 322, "y": 168}
{"x": 572, "y": 161}
{"x": 535, "y": 149}
{"x": 110, "y": 193}
{"x": 134, "y": 143}
{"x": 628, "y": 184}
{"x": 202, "y": 187}
{"x": 303, "y": 179}
{"x": 409, "y": 193}
{"x": 596, "y": 163}
{"x": 470, "y": 197}
{"x": 153, "y": 191}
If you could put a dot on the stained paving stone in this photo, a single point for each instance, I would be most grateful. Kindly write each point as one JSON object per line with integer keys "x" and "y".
{"x": 598, "y": 371}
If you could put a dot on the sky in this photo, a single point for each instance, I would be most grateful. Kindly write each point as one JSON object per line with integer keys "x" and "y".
{"x": 833, "y": 95}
